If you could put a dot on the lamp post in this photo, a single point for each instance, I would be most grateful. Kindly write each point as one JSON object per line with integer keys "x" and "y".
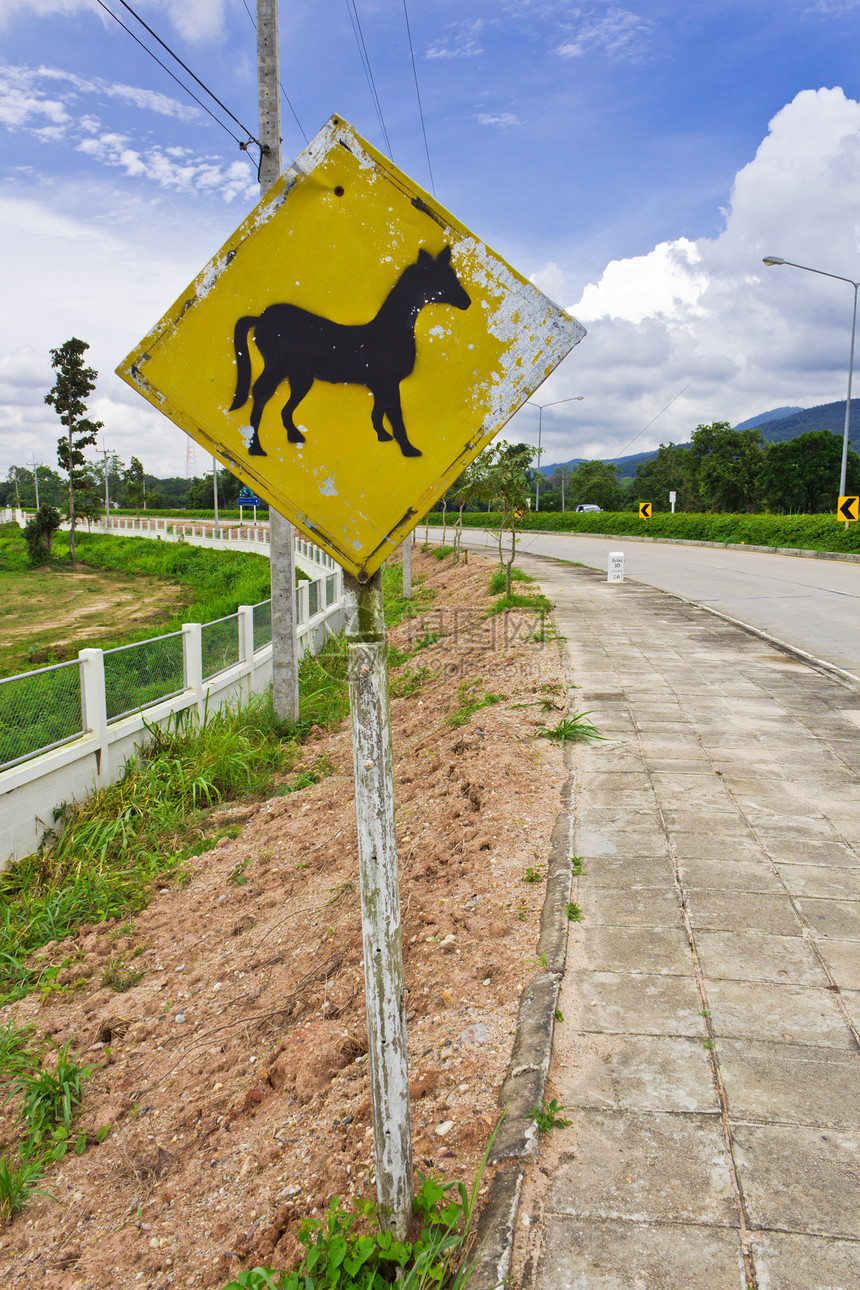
{"x": 574, "y": 398}
{"x": 771, "y": 260}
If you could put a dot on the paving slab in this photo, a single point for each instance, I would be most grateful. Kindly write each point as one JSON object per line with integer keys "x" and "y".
{"x": 805, "y": 1262}
{"x": 626, "y": 871}
{"x": 777, "y": 1081}
{"x": 636, "y": 907}
{"x": 654, "y": 950}
{"x": 729, "y": 875}
{"x": 755, "y": 956}
{"x": 795, "y": 1014}
{"x": 820, "y": 880}
{"x": 797, "y": 1179}
{"x": 736, "y": 909}
{"x": 842, "y": 959}
{"x": 637, "y": 1073}
{"x": 613, "y": 1255}
{"x": 832, "y": 918}
{"x": 629, "y": 1003}
{"x": 647, "y": 1167}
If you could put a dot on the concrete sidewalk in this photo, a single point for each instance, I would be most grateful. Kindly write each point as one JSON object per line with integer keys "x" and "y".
{"x": 711, "y": 999}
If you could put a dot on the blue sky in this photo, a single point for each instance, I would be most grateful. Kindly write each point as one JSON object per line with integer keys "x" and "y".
{"x": 637, "y": 162}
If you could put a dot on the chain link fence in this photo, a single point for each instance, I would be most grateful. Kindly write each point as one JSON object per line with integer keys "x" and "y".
{"x": 220, "y": 644}
{"x": 39, "y": 710}
{"x": 143, "y": 673}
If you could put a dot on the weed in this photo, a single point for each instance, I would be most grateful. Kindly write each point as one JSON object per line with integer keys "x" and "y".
{"x": 574, "y": 913}
{"x": 337, "y": 1257}
{"x": 522, "y": 912}
{"x": 559, "y": 1016}
{"x": 49, "y": 1098}
{"x": 498, "y": 579}
{"x": 576, "y": 866}
{"x": 708, "y": 1044}
{"x": 18, "y": 1180}
{"x": 547, "y": 1116}
{"x": 573, "y": 729}
{"x": 471, "y": 698}
{"x": 118, "y": 976}
{"x": 534, "y": 873}
{"x": 408, "y": 682}
{"x": 537, "y": 604}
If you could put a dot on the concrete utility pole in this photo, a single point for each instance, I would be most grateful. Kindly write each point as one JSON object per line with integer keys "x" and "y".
{"x": 285, "y": 648}
{"x": 406, "y": 551}
{"x": 380, "y": 900}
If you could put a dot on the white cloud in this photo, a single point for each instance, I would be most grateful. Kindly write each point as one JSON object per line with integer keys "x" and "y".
{"x": 463, "y": 42}
{"x": 619, "y": 34}
{"x": 175, "y": 168}
{"x": 198, "y": 21}
{"x": 503, "y": 119}
{"x": 750, "y": 338}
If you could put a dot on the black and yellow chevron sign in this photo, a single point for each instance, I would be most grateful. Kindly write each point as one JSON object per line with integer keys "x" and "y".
{"x": 848, "y": 508}
{"x": 644, "y": 510}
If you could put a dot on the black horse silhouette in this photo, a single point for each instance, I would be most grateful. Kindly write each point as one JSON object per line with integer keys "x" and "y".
{"x": 301, "y": 347}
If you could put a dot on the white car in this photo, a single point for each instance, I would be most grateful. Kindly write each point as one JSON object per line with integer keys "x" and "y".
{"x": 589, "y": 508}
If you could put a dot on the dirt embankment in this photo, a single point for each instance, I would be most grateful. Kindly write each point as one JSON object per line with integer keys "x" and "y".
{"x": 233, "y": 1073}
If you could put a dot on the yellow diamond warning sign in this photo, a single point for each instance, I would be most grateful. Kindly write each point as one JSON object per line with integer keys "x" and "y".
{"x": 350, "y": 349}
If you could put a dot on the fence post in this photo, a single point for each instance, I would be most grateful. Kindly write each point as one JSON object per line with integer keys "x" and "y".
{"x": 94, "y": 708}
{"x": 192, "y": 659}
{"x": 246, "y": 644}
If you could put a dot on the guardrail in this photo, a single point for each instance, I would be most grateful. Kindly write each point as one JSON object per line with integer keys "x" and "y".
{"x": 69, "y": 728}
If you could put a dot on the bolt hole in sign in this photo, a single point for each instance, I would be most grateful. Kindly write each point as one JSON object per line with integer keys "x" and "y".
{"x": 350, "y": 349}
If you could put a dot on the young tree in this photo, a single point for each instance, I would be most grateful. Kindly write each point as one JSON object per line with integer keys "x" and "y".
{"x": 509, "y": 476}
{"x": 469, "y": 489}
{"x": 73, "y": 386}
{"x": 39, "y": 533}
{"x": 596, "y": 482}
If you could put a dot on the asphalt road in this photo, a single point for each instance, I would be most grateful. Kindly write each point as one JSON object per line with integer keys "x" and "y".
{"x": 812, "y": 605}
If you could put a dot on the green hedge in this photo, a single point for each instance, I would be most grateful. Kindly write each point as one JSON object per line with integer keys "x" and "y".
{"x": 806, "y": 532}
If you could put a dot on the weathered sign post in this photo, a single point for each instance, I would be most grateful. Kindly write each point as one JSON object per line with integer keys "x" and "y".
{"x": 347, "y": 353}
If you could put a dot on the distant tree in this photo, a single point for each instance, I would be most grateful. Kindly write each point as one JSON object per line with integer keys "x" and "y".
{"x": 728, "y": 466}
{"x": 673, "y": 470}
{"x": 201, "y": 496}
{"x": 596, "y": 482}
{"x": 39, "y": 533}
{"x": 802, "y": 474}
{"x": 156, "y": 501}
{"x": 134, "y": 485}
{"x": 73, "y": 386}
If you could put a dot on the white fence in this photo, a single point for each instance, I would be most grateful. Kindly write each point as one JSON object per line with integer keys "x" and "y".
{"x": 101, "y": 703}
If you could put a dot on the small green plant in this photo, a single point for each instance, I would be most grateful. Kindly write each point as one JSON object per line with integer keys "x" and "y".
{"x": 118, "y": 976}
{"x": 548, "y": 1117}
{"x": 238, "y": 876}
{"x": 18, "y": 1178}
{"x": 559, "y": 1016}
{"x": 574, "y": 913}
{"x": 339, "y": 1258}
{"x": 573, "y": 729}
{"x": 708, "y": 1044}
{"x": 576, "y": 866}
{"x": 471, "y": 698}
{"x": 534, "y": 873}
{"x": 522, "y": 911}
{"x": 50, "y": 1098}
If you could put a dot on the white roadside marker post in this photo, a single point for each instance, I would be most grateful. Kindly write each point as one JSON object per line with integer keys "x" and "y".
{"x": 380, "y": 901}
{"x": 615, "y": 571}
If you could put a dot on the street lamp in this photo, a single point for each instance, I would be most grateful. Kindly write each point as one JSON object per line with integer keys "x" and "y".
{"x": 574, "y": 398}
{"x": 771, "y": 260}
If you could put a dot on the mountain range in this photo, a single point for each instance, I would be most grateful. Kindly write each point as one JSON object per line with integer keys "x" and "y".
{"x": 777, "y": 426}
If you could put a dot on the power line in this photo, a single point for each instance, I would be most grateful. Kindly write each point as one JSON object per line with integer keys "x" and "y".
{"x": 280, "y": 83}
{"x": 650, "y": 423}
{"x": 368, "y": 72}
{"x": 418, "y": 96}
{"x": 180, "y": 83}
{"x": 252, "y": 137}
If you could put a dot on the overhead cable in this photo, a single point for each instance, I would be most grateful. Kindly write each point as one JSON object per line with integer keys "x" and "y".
{"x": 252, "y": 137}
{"x": 418, "y": 96}
{"x": 368, "y": 72}
{"x": 180, "y": 83}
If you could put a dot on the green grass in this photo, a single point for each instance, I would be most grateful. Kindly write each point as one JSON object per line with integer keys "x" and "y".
{"x": 471, "y": 697}
{"x": 573, "y": 729}
{"x": 536, "y": 604}
{"x": 499, "y": 579}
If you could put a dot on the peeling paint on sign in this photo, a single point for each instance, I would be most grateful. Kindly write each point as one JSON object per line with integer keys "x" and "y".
{"x": 362, "y": 452}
